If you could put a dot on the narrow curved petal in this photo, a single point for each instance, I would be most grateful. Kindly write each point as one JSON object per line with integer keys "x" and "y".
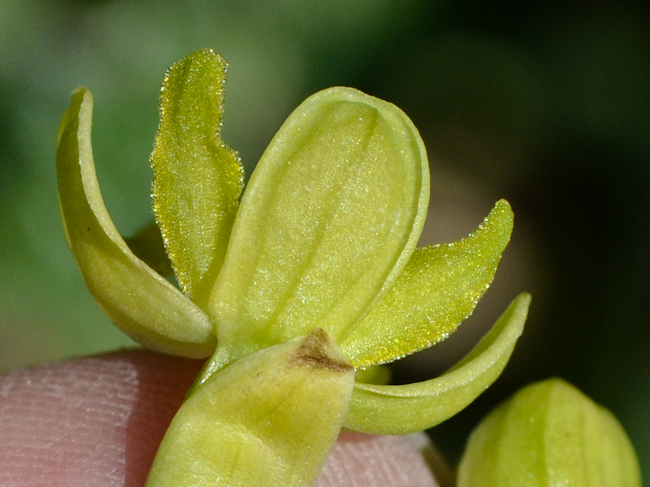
{"x": 329, "y": 219}
{"x": 198, "y": 180}
{"x": 437, "y": 291}
{"x": 138, "y": 300}
{"x": 269, "y": 419}
{"x": 398, "y": 410}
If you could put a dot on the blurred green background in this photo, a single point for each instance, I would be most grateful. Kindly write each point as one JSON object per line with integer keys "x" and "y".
{"x": 545, "y": 104}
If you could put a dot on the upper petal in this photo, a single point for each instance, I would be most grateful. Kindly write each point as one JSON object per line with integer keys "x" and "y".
{"x": 403, "y": 409}
{"x": 329, "y": 219}
{"x": 138, "y": 300}
{"x": 198, "y": 180}
{"x": 438, "y": 289}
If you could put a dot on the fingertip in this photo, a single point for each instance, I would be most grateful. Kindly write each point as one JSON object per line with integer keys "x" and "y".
{"x": 91, "y": 421}
{"x": 360, "y": 460}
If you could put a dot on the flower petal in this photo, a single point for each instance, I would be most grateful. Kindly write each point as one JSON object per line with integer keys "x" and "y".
{"x": 403, "y": 409}
{"x": 269, "y": 419}
{"x": 328, "y": 220}
{"x": 138, "y": 300}
{"x": 437, "y": 290}
{"x": 198, "y": 180}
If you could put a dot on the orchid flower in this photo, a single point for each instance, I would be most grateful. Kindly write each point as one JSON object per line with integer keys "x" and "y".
{"x": 295, "y": 289}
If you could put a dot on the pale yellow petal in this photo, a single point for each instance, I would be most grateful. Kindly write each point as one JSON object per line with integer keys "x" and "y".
{"x": 403, "y": 409}
{"x": 198, "y": 180}
{"x": 138, "y": 300}
{"x": 329, "y": 219}
{"x": 438, "y": 290}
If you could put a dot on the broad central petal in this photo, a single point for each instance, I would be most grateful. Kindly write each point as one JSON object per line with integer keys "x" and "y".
{"x": 329, "y": 219}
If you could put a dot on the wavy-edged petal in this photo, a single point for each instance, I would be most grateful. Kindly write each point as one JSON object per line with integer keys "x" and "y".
{"x": 269, "y": 419}
{"x": 438, "y": 290}
{"x": 398, "y": 410}
{"x": 198, "y": 180}
{"x": 138, "y": 300}
{"x": 328, "y": 220}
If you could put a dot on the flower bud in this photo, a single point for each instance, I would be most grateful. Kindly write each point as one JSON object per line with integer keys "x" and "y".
{"x": 549, "y": 434}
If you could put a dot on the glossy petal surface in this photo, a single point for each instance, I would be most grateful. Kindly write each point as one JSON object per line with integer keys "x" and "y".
{"x": 438, "y": 289}
{"x": 403, "y": 409}
{"x": 198, "y": 180}
{"x": 138, "y": 300}
{"x": 549, "y": 434}
{"x": 269, "y": 419}
{"x": 328, "y": 220}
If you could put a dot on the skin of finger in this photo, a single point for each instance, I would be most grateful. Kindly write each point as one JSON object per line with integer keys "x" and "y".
{"x": 99, "y": 420}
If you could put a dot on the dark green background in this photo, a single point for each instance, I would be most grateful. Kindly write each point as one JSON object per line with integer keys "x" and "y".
{"x": 547, "y": 105}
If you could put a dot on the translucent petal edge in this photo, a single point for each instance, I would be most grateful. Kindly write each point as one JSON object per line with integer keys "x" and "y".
{"x": 138, "y": 300}
{"x": 404, "y": 409}
{"x": 401, "y": 324}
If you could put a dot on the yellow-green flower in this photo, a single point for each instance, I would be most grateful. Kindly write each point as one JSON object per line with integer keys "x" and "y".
{"x": 312, "y": 276}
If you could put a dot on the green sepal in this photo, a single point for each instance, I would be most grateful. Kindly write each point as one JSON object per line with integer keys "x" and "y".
{"x": 438, "y": 290}
{"x": 329, "y": 218}
{"x": 268, "y": 419}
{"x": 403, "y": 409}
{"x": 549, "y": 434}
{"x": 198, "y": 180}
{"x": 137, "y": 299}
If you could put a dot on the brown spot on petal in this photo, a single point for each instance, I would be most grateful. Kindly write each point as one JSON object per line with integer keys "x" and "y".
{"x": 319, "y": 350}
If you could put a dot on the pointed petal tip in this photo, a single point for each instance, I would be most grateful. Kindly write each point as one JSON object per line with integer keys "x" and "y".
{"x": 501, "y": 218}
